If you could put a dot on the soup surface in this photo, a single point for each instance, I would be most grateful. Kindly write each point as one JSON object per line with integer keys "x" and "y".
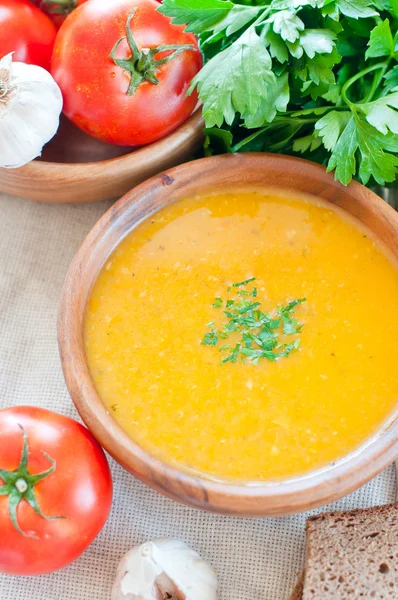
{"x": 152, "y": 304}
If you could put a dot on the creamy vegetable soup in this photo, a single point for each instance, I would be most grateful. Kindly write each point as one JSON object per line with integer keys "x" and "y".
{"x": 247, "y": 336}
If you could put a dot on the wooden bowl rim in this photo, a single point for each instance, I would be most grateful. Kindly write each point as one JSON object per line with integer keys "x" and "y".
{"x": 64, "y": 168}
{"x": 260, "y": 499}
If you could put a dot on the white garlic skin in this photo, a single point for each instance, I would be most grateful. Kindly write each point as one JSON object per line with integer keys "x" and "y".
{"x": 30, "y": 106}
{"x": 164, "y": 566}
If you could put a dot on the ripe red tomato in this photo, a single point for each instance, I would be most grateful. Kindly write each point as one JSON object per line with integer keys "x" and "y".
{"x": 27, "y": 32}
{"x": 99, "y": 92}
{"x": 47, "y": 522}
{"x": 58, "y": 10}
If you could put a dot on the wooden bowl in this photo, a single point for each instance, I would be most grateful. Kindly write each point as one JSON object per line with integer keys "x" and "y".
{"x": 75, "y": 167}
{"x": 216, "y": 173}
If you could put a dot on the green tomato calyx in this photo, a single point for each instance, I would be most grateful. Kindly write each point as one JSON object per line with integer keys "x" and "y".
{"x": 58, "y": 7}
{"x": 19, "y": 485}
{"x": 142, "y": 64}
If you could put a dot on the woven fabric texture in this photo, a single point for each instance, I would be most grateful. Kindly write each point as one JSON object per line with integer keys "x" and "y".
{"x": 256, "y": 559}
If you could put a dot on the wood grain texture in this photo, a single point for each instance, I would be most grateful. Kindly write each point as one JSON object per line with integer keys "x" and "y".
{"x": 212, "y": 174}
{"x": 73, "y": 166}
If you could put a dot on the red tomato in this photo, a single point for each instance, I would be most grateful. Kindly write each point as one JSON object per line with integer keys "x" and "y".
{"x": 58, "y": 10}
{"x": 27, "y": 32}
{"x": 74, "y": 496}
{"x": 97, "y": 93}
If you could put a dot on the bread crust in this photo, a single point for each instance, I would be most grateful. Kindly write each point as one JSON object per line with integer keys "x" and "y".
{"x": 297, "y": 593}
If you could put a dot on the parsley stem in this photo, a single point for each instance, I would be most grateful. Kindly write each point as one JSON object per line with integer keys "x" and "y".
{"x": 279, "y": 120}
{"x": 375, "y": 83}
{"x": 355, "y": 78}
{"x": 297, "y": 113}
{"x": 264, "y": 11}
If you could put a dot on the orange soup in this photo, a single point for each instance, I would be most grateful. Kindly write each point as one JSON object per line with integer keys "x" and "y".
{"x": 198, "y": 355}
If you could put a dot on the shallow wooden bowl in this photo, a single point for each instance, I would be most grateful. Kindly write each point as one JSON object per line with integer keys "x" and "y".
{"x": 75, "y": 167}
{"x": 216, "y": 173}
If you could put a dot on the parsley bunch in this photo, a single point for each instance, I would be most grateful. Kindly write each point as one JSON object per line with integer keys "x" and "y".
{"x": 317, "y": 78}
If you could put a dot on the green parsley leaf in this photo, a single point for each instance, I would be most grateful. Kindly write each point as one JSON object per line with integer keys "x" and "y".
{"x": 375, "y": 160}
{"x": 241, "y": 283}
{"x": 308, "y": 142}
{"x": 320, "y": 67}
{"x": 290, "y": 324}
{"x": 233, "y": 80}
{"x": 390, "y": 6}
{"x": 391, "y": 80}
{"x": 333, "y": 94}
{"x": 329, "y": 9}
{"x": 316, "y": 110}
{"x": 217, "y": 303}
{"x": 287, "y": 24}
{"x": 381, "y": 42}
{"x": 249, "y": 308}
{"x": 266, "y": 339}
{"x": 277, "y": 99}
{"x": 200, "y": 15}
{"x": 331, "y": 126}
{"x": 247, "y": 339}
{"x": 276, "y": 45}
{"x": 237, "y": 18}
{"x": 317, "y": 41}
{"x": 210, "y": 339}
{"x": 233, "y": 357}
{"x": 217, "y": 141}
{"x": 295, "y": 49}
{"x": 381, "y": 114}
{"x": 274, "y": 323}
{"x": 343, "y": 155}
{"x": 288, "y": 349}
{"x": 289, "y": 307}
{"x": 356, "y": 9}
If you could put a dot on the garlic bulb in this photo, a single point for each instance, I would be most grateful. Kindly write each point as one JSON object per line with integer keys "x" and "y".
{"x": 164, "y": 569}
{"x": 30, "y": 105}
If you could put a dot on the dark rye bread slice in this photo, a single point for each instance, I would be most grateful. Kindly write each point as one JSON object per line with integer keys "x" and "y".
{"x": 353, "y": 555}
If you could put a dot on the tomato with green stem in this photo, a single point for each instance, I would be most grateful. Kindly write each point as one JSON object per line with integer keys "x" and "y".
{"x": 124, "y": 71}
{"x": 55, "y": 490}
{"x": 27, "y": 32}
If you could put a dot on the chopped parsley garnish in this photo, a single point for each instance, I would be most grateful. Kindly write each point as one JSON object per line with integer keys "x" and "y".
{"x": 290, "y": 324}
{"x": 259, "y": 333}
{"x": 243, "y": 282}
{"x": 211, "y": 338}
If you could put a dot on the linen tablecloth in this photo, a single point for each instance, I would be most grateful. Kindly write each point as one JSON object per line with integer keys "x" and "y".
{"x": 256, "y": 559}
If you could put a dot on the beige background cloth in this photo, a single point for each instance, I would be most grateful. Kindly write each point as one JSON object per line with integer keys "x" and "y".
{"x": 256, "y": 559}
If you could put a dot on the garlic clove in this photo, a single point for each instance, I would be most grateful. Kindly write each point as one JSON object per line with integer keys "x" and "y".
{"x": 164, "y": 568}
{"x": 30, "y": 106}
